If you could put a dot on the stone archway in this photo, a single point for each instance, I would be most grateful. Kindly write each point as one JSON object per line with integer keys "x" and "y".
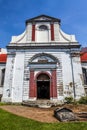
{"x": 43, "y": 86}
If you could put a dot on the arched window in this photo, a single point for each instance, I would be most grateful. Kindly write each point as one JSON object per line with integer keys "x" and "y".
{"x": 43, "y": 27}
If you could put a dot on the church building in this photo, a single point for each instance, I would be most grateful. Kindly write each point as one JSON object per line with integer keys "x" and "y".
{"x": 43, "y": 63}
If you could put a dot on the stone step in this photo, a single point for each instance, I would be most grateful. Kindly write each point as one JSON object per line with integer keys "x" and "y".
{"x": 38, "y": 103}
{"x": 41, "y": 103}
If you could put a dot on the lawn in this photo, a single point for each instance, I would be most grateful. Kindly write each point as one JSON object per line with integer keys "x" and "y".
{"x": 10, "y": 121}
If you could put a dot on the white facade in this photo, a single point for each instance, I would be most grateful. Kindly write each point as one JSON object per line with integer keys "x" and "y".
{"x": 43, "y": 50}
{"x": 3, "y": 54}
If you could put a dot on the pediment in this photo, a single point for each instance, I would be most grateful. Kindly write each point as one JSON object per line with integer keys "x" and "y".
{"x": 43, "y": 18}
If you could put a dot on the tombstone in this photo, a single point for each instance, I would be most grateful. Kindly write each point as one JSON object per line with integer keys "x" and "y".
{"x": 65, "y": 114}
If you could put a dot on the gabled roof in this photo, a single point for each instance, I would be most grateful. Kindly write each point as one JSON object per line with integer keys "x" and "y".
{"x": 84, "y": 57}
{"x": 83, "y": 54}
{"x": 3, "y": 58}
{"x": 43, "y": 18}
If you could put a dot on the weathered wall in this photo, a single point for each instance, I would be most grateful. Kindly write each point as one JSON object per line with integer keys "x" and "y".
{"x": 18, "y": 75}
{"x": 2, "y": 66}
{"x": 13, "y": 84}
{"x": 72, "y": 76}
{"x": 78, "y": 77}
{"x": 67, "y": 74}
{"x": 7, "y": 89}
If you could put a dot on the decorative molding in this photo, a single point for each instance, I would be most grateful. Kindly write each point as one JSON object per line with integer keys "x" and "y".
{"x": 43, "y": 46}
{"x": 43, "y": 18}
{"x": 54, "y": 59}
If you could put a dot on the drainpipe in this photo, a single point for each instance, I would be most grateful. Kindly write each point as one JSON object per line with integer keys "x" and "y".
{"x": 73, "y": 80}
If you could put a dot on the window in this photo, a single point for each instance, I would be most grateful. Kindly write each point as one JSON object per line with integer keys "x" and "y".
{"x": 85, "y": 75}
{"x": 2, "y": 79}
{"x": 43, "y": 27}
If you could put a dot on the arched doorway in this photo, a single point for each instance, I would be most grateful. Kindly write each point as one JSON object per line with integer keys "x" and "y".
{"x": 43, "y": 86}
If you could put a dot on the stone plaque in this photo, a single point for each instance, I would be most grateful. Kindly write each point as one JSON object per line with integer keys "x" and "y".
{"x": 42, "y": 61}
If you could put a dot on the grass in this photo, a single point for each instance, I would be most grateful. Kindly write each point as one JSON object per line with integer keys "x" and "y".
{"x": 10, "y": 121}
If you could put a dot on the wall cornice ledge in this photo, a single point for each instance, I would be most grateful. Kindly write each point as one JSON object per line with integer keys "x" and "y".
{"x": 44, "y": 46}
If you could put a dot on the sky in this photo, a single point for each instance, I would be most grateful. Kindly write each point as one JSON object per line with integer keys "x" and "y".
{"x": 14, "y": 13}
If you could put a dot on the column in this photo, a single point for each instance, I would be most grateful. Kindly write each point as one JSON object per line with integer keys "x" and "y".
{"x": 31, "y": 85}
{"x": 54, "y": 84}
{"x": 52, "y": 32}
{"x": 33, "y": 32}
{"x": 51, "y": 88}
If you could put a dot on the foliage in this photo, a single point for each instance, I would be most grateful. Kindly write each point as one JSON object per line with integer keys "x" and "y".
{"x": 10, "y": 121}
{"x": 9, "y": 103}
{"x": 5, "y": 103}
{"x": 1, "y": 103}
{"x": 83, "y": 100}
{"x": 68, "y": 100}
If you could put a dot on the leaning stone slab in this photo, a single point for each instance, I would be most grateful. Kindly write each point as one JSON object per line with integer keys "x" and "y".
{"x": 65, "y": 114}
{"x": 44, "y": 106}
